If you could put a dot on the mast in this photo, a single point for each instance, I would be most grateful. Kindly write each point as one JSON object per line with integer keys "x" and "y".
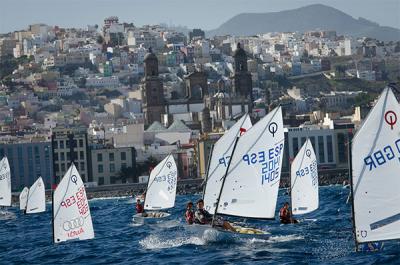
{"x": 349, "y": 151}
{"x": 208, "y": 169}
{"x": 223, "y": 181}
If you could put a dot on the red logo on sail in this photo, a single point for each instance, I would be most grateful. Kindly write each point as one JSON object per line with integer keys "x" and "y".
{"x": 390, "y": 118}
{"x": 242, "y": 131}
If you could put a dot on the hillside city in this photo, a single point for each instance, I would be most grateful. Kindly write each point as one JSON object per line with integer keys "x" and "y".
{"x": 115, "y": 99}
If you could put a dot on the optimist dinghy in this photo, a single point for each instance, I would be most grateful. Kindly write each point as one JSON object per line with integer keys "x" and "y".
{"x": 160, "y": 193}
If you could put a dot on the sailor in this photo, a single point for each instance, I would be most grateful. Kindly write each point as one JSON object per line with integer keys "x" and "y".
{"x": 189, "y": 215}
{"x": 285, "y": 215}
{"x": 203, "y": 217}
{"x": 139, "y": 206}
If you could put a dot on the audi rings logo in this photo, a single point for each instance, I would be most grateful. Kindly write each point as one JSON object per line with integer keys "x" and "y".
{"x": 169, "y": 164}
{"x": 73, "y": 224}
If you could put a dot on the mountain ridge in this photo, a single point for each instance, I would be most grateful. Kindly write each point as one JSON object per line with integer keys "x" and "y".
{"x": 317, "y": 16}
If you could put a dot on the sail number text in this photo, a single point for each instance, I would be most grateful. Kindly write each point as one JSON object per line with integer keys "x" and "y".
{"x": 380, "y": 157}
{"x": 79, "y": 199}
{"x": 309, "y": 169}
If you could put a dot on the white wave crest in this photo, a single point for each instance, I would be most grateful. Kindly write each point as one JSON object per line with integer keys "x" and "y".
{"x": 155, "y": 242}
{"x": 279, "y": 239}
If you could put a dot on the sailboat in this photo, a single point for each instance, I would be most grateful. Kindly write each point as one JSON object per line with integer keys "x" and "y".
{"x": 71, "y": 212}
{"x": 220, "y": 154}
{"x": 161, "y": 191}
{"x": 250, "y": 185}
{"x": 5, "y": 186}
{"x": 36, "y": 201}
{"x": 23, "y": 198}
{"x": 375, "y": 181}
{"x": 304, "y": 181}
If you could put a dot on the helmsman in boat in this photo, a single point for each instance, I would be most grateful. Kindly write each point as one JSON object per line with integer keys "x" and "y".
{"x": 286, "y": 216}
{"x": 203, "y": 217}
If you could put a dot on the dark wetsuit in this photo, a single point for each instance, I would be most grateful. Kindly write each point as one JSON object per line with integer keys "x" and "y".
{"x": 202, "y": 217}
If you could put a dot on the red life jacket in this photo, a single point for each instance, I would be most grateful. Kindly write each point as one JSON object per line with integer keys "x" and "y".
{"x": 284, "y": 213}
{"x": 139, "y": 208}
{"x": 189, "y": 216}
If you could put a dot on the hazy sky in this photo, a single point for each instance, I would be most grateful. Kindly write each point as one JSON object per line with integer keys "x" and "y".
{"x": 206, "y": 14}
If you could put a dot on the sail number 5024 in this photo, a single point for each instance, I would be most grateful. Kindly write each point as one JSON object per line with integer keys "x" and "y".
{"x": 380, "y": 157}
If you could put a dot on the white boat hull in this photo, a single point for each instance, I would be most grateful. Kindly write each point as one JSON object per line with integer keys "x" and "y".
{"x": 149, "y": 217}
{"x": 222, "y": 234}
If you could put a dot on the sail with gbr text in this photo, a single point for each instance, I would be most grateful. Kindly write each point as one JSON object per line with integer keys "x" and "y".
{"x": 252, "y": 182}
{"x": 304, "y": 180}
{"x": 71, "y": 212}
{"x": 220, "y": 156}
{"x": 375, "y": 172}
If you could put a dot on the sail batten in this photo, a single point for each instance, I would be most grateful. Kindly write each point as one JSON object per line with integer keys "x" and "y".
{"x": 304, "y": 180}
{"x": 252, "y": 181}
{"x": 375, "y": 167}
{"x": 221, "y": 154}
{"x": 5, "y": 183}
{"x": 36, "y": 201}
{"x": 161, "y": 190}
{"x": 71, "y": 212}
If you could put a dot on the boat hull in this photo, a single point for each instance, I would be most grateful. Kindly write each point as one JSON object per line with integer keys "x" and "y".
{"x": 221, "y": 234}
{"x": 150, "y": 217}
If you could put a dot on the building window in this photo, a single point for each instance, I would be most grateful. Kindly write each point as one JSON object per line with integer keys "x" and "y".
{"x": 67, "y": 143}
{"x": 68, "y": 156}
{"x": 100, "y": 168}
{"x": 330, "y": 148}
{"x": 341, "y": 144}
{"x": 112, "y": 180}
{"x": 99, "y": 157}
{"x": 81, "y": 155}
{"x": 55, "y": 144}
{"x": 321, "y": 151}
{"x": 123, "y": 155}
{"x": 123, "y": 165}
{"x": 82, "y": 166}
{"x": 62, "y": 167}
{"x": 80, "y": 142}
{"x": 312, "y": 139}
{"x": 111, "y": 156}
{"x": 75, "y": 143}
{"x": 295, "y": 146}
{"x": 303, "y": 140}
{"x": 61, "y": 144}
{"x": 112, "y": 167}
{"x": 62, "y": 156}
{"x": 56, "y": 157}
{"x": 56, "y": 168}
{"x": 75, "y": 155}
{"x": 101, "y": 181}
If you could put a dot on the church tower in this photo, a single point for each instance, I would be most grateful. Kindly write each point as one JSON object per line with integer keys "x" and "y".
{"x": 242, "y": 77}
{"x": 152, "y": 90}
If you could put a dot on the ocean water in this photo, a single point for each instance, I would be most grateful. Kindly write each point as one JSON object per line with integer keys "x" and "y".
{"x": 324, "y": 237}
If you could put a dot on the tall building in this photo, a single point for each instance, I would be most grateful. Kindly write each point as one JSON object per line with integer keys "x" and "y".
{"x": 28, "y": 161}
{"x": 242, "y": 77}
{"x": 152, "y": 90}
{"x": 70, "y": 144}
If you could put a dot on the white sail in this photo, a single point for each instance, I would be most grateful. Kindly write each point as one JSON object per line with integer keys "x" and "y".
{"x": 71, "y": 212}
{"x": 375, "y": 174}
{"x": 220, "y": 156}
{"x": 304, "y": 180}
{"x": 252, "y": 183}
{"x": 5, "y": 183}
{"x": 161, "y": 189}
{"x": 36, "y": 202}
{"x": 23, "y": 197}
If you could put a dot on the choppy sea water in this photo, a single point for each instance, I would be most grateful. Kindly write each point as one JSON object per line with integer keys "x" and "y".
{"x": 325, "y": 237}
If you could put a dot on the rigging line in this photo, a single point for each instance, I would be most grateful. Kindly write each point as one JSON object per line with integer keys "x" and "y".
{"x": 302, "y": 159}
{"x": 66, "y": 190}
{"x": 374, "y": 143}
{"x": 226, "y": 152}
{"x": 258, "y": 139}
